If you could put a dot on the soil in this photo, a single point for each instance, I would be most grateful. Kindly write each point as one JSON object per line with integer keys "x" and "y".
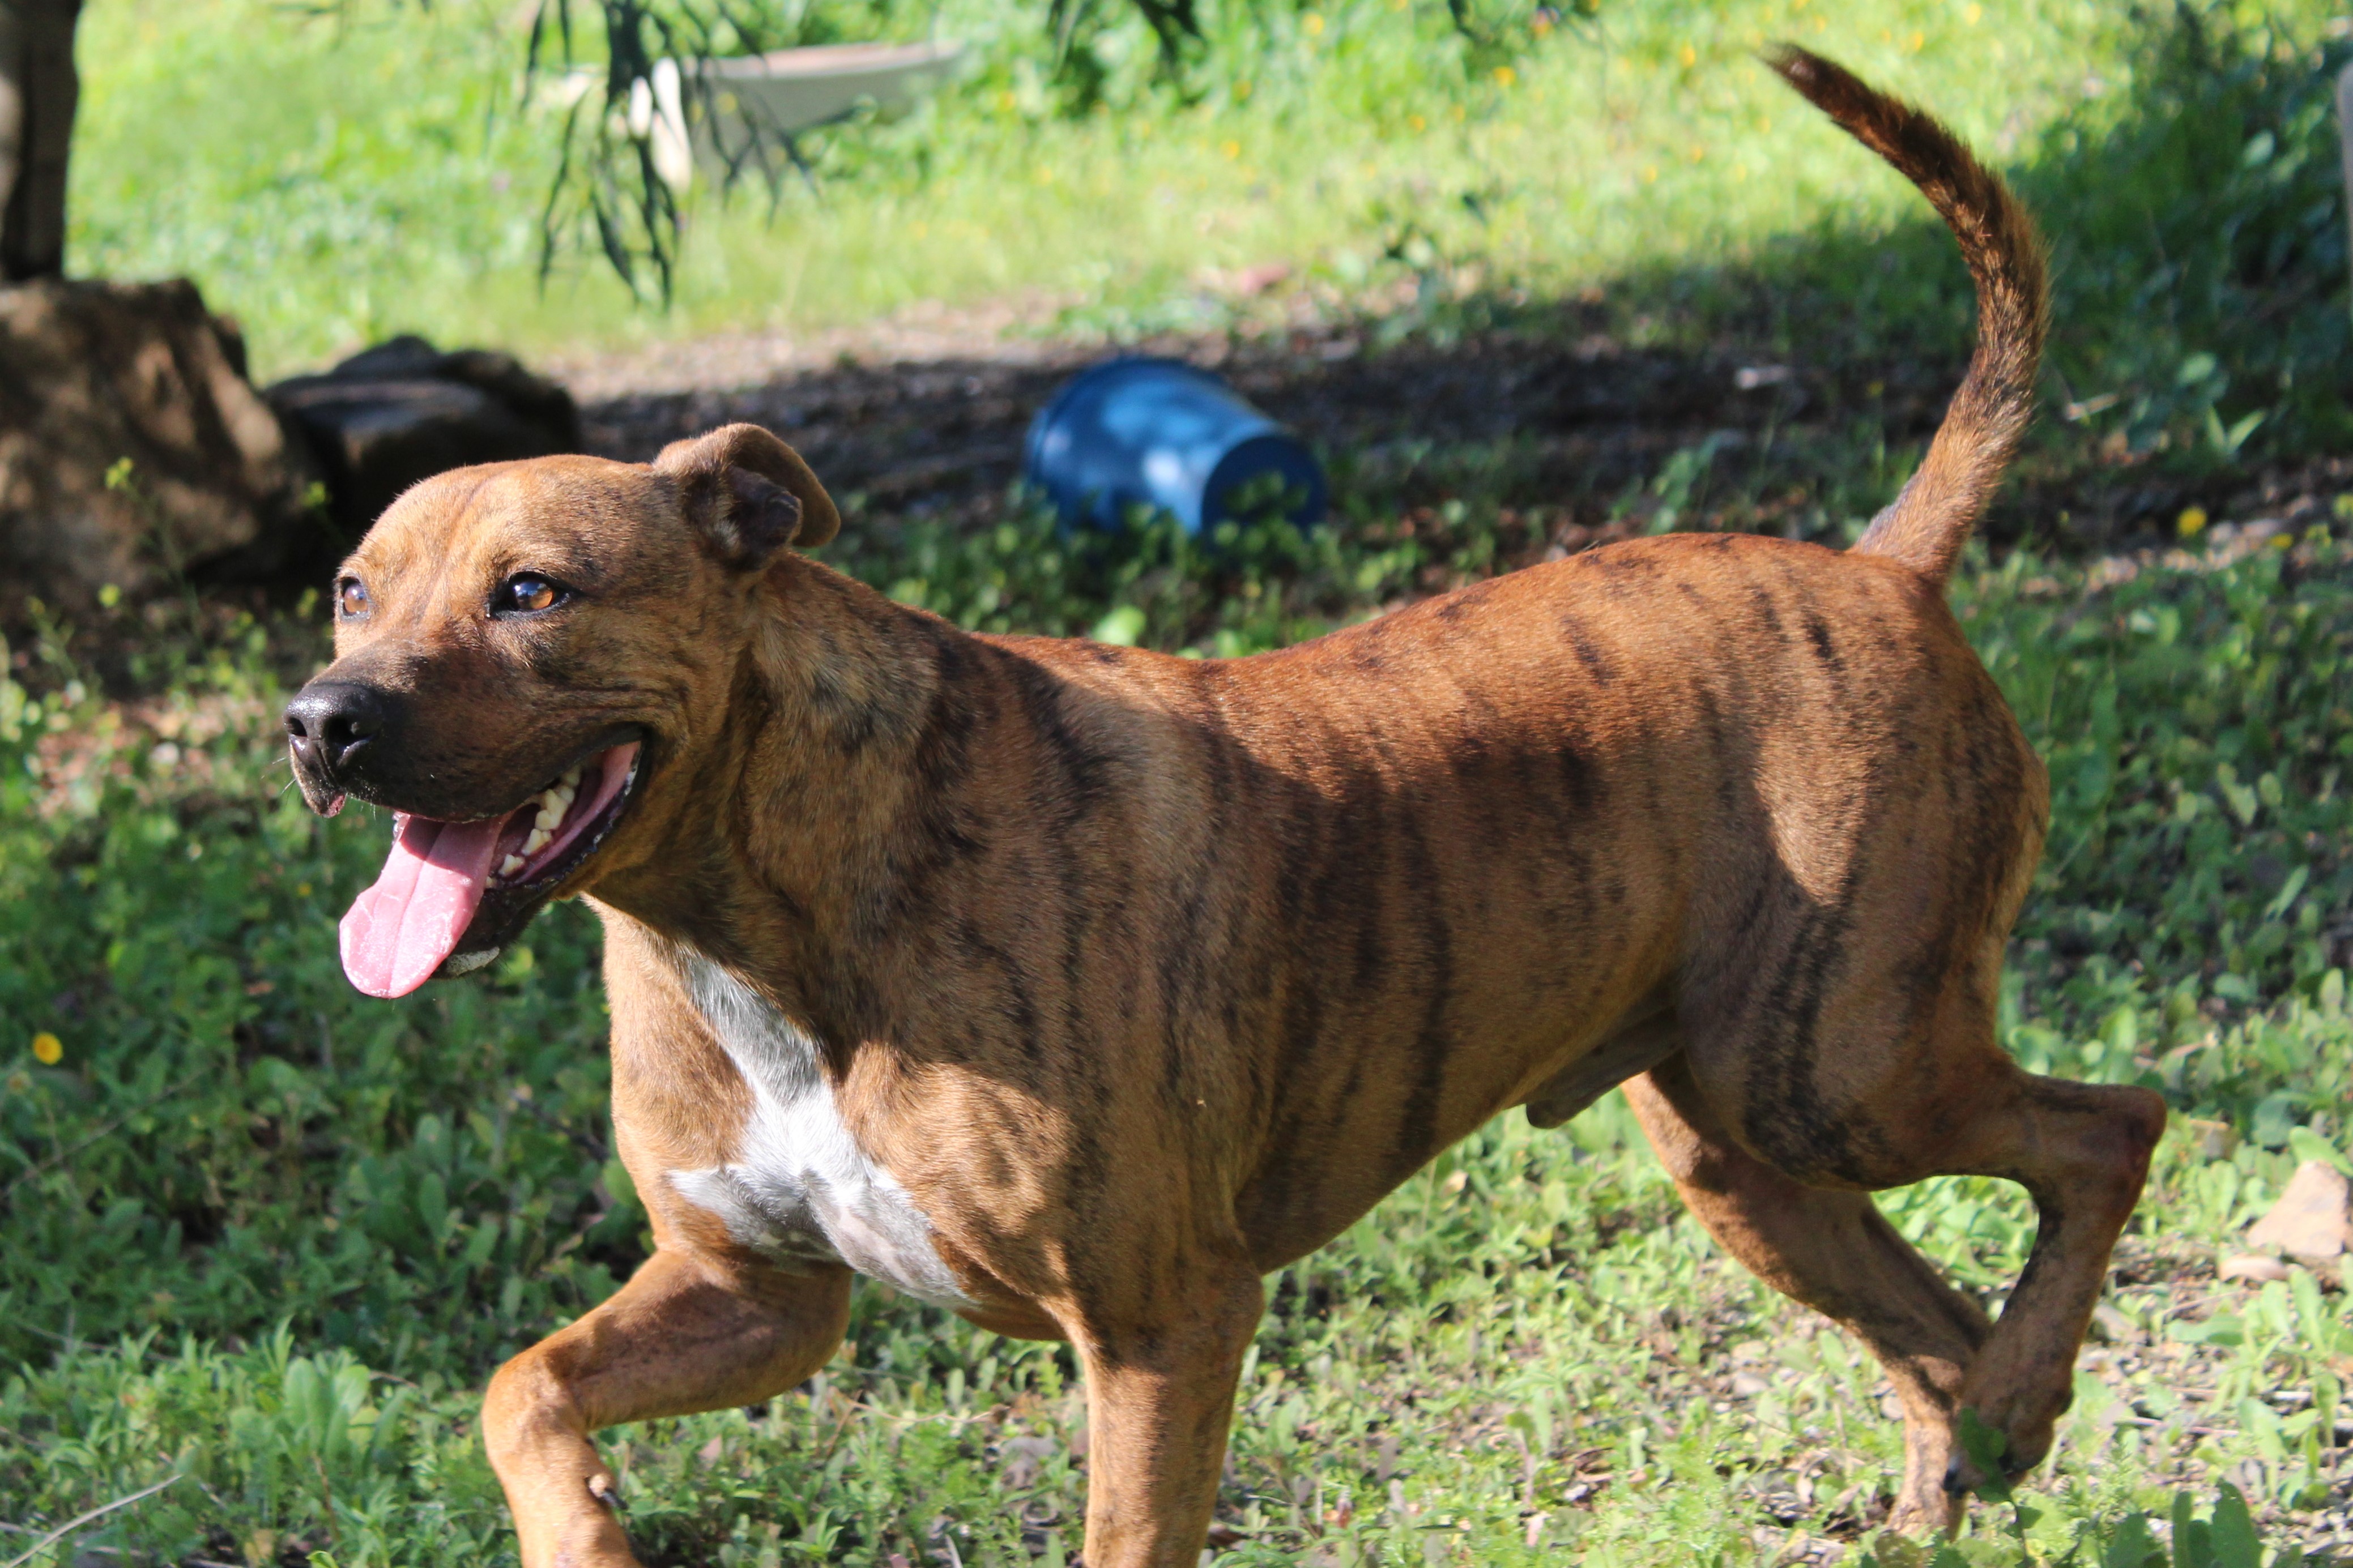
{"x": 1552, "y": 412}
{"x": 939, "y": 423}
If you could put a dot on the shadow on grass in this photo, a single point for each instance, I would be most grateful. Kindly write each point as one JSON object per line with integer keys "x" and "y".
{"x": 2199, "y": 352}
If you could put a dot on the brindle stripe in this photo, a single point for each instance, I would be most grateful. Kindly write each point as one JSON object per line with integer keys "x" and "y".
{"x": 1598, "y": 664}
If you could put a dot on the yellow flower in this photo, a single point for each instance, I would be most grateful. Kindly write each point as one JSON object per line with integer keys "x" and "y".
{"x": 1689, "y": 55}
{"x": 47, "y": 1049}
{"x": 1314, "y": 23}
{"x": 1417, "y": 121}
{"x": 1505, "y": 75}
{"x": 1973, "y": 15}
{"x": 1230, "y": 149}
{"x": 2192, "y": 522}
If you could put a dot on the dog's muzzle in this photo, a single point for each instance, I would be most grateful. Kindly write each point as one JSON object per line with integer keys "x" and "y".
{"x": 333, "y": 728}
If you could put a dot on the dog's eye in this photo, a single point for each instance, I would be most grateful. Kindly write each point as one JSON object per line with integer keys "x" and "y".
{"x": 351, "y": 599}
{"x": 528, "y": 593}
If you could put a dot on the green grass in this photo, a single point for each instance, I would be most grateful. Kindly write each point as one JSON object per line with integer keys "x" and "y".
{"x": 263, "y": 1240}
{"x": 333, "y": 181}
{"x": 270, "y": 1237}
{"x": 360, "y": 193}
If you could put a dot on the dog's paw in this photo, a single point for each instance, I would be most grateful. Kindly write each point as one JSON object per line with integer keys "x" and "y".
{"x": 1990, "y": 1454}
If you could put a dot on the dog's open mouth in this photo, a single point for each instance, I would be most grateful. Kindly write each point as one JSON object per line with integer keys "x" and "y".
{"x": 402, "y": 932}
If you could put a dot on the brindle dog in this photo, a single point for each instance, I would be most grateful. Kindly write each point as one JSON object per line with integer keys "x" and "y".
{"x": 1077, "y": 987}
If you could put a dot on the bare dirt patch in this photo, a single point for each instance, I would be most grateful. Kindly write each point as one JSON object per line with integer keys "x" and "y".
{"x": 1556, "y": 412}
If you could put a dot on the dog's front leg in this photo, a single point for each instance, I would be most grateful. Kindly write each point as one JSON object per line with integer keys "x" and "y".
{"x": 1160, "y": 1396}
{"x": 686, "y": 1334}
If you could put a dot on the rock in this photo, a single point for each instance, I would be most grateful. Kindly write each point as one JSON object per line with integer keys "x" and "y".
{"x": 1023, "y": 1459}
{"x": 2254, "y": 1266}
{"x": 93, "y": 373}
{"x": 2313, "y": 1221}
{"x": 2216, "y": 1140}
{"x": 394, "y": 414}
{"x": 2111, "y": 1325}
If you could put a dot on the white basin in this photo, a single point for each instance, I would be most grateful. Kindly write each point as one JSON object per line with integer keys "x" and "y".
{"x": 793, "y": 89}
{"x": 766, "y": 97}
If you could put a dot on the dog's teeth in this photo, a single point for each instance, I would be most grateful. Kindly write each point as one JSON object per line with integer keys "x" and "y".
{"x": 566, "y": 793}
{"x": 549, "y": 816}
{"x": 510, "y": 864}
{"x": 571, "y": 782}
{"x": 537, "y": 841}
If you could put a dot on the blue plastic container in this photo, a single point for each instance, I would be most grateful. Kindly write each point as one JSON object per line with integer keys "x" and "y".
{"x": 1159, "y": 432}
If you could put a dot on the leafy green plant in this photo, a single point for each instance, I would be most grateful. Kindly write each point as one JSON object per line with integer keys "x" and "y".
{"x": 2226, "y": 1538}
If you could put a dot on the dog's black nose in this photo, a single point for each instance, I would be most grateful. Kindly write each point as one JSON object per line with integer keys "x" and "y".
{"x": 330, "y": 720}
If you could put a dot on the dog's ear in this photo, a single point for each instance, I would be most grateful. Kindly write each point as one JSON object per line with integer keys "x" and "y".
{"x": 748, "y": 494}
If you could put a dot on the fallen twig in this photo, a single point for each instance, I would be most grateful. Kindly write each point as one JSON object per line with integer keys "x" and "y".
{"x": 108, "y": 1131}
{"x": 69, "y": 1526}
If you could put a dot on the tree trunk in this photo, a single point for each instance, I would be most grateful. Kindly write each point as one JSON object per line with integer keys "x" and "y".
{"x": 37, "y": 88}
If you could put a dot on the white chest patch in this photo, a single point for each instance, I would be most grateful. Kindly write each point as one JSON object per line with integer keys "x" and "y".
{"x": 800, "y": 1186}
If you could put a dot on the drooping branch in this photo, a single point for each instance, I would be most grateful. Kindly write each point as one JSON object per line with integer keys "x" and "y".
{"x": 611, "y": 176}
{"x": 654, "y": 100}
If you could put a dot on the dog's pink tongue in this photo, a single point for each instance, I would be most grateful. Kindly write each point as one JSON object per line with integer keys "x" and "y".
{"x": 399, "y": 931}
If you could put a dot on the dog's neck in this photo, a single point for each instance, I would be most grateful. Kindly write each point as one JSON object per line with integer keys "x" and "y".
{"x": 799, "y": 829}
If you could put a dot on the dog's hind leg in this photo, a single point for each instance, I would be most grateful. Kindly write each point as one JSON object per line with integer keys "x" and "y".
{"x": 2082, "y": 1152}
{"x": 686, "y": 1334}
{"x": 1872, "y": 1110}
{"x": 1833, "y": 1251}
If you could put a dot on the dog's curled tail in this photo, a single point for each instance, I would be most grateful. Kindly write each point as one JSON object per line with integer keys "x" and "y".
{"x": 1925, "y": 526}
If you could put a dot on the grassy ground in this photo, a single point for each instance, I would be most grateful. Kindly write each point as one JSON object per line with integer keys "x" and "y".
{"x": 1634, "y": 180}
{"x": 2184, "y": 159}
{"x": 268, "y": 1237}
{"x": 263, "y": 1240}
{"x": 383, "y": 182}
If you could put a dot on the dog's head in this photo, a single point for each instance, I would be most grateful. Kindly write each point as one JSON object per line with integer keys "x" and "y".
{"x": 523, "y": 654}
